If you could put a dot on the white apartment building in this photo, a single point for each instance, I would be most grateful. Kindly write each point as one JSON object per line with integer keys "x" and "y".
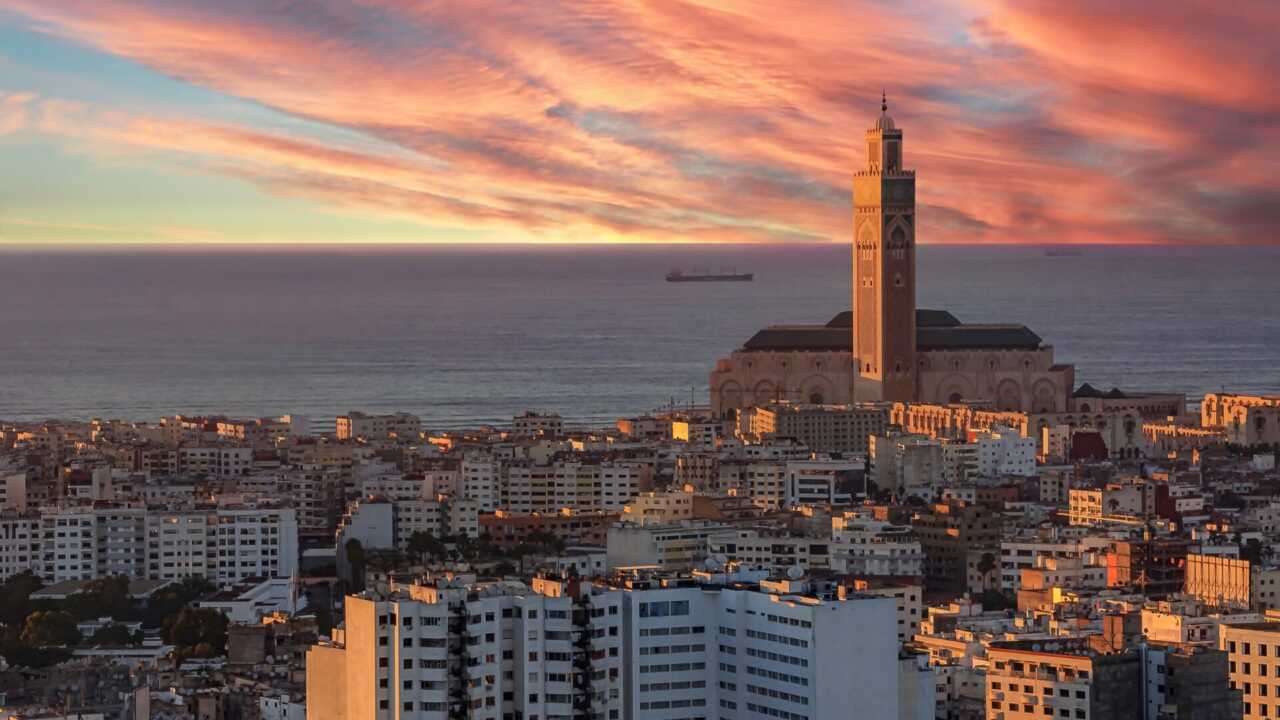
{"x": 481, "y": 481}
{"x": 1004, "y": 451}
{"x": 766, "y": 483}
{"x": 817, "y": 481}
{"x": 865, "y": 546}
{"x": 780, "y": 649}
{"x": 769, "y": 549}
{"x": 1028, "y": 552}
{"x": 180, "y": 544}
{"x": 669, "y": 547}
{"x": 377, "y": 427}
{"x": 256, "y": 542}
{"x": 19, "y": 544}
{"x": 218, "y": 461}
{"x": 482, "y": 651}
{"x": 439, "y": 517}
{"x": 906, "y": 464}
{"x": 69, "y": 545}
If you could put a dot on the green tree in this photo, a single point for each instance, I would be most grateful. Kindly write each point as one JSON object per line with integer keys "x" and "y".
{"x": 115, "y": 634}
{"x": 101, "y": 597}
{"x": 168, "y": 601}
{"x": 986, "y": 564}
{"x": 193, "y": 627}
{"x": 424, "y": 545}
{"x": 49, "y": 627}
{"x": 15, "y": 597}
{"x": 355, "y": 564}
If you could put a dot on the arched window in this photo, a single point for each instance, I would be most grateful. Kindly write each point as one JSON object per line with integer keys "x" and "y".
{"x": 815, "y": 397}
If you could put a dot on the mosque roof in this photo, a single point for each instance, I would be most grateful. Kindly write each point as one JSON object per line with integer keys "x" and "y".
{"x": 935, "y": 330}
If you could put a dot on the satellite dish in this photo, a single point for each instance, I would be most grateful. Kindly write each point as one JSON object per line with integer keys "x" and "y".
{"x": 795, "y": 572}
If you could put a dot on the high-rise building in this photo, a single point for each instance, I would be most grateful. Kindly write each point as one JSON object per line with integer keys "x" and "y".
{"x": 642, "y": 648}
{"x": 485, "y": 651}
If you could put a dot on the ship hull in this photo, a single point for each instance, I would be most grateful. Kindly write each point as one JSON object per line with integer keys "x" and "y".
{"x": 747, "y": 277}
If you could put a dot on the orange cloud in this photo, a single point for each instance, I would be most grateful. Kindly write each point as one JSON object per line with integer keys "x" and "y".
{"x": 1028, "y": 121}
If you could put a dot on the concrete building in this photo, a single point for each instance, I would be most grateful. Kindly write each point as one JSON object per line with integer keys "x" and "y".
{"x": 1248, "y": 420}
{"x": 252, "y": 601}
{"x": 947, "y": 533}
{"x": 1253, "y": 655}
{"x": 786, "y": 649}
{"x": 485, "y": 651}
{"x": 667, "y": 547}
{"x": 1188, "y": 682}
{"x": 1228, "y": 582}
{"x": 19, "y": 544}
{"x": 864, "y": 546}
{"x": 532, "y": 424}
{"x": 908, "y": 597}
{"x": 357, "y": 425}
{"x": 256, "y": 542}
{"x": 769, "y": 548}
{"x": 822, "y": 428}
{"x": 907, "y": 465}
{"x": 1031, "y": 680}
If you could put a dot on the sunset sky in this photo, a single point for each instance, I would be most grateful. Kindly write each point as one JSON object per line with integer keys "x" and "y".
{"x": 599, "y": 121}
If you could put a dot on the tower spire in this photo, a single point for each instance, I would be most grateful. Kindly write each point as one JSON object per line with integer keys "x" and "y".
{"x": 884, "y": 101}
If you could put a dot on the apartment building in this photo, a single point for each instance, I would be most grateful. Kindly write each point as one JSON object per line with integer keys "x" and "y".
{"x": 1065, "y": 679}
{"x": 865, "y": 546}
{"x": 181, "y": 544}
{"x": 907, "y": 464}
{"x": 713, "y": 647}
{"x": 20, "y": 535}
{"x": 822, "y": 428}
{"x": 1253, "y": 659}
{"x": 770, "y": 548}
{"x": 255, "y": 542}
{"x": 485, "y": 651}
{"x": 533, "y": 424}
{"x": 821, "y": 481}
{"x": 355, "y": 425}
{"x": 680, "y": 546}
{"x": 947, "y": 533}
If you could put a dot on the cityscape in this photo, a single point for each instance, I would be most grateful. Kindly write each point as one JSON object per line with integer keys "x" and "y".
{"x": 911, "y": 507}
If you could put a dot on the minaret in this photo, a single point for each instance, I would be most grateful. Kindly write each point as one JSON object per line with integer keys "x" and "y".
{"x": 884, "y": 268}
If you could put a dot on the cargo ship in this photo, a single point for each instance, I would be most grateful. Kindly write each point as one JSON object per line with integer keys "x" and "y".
{"x": 696, "y": 275}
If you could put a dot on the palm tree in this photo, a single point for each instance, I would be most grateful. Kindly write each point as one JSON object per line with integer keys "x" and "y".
{"x": 986, "y": 564}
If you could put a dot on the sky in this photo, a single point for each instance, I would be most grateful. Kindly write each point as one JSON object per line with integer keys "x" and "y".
{"x": 612, "y": 121}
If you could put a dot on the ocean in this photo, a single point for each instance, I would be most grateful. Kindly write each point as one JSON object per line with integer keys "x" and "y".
{"x": 464, "y": 336}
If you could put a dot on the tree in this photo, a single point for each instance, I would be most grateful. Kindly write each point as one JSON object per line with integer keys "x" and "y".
{"x": 15, "y": 597}
{"x": 168, "y": 601}
{"x": 986, "y": 564}
{"x": 197, "y": 632}
{"x": 355, "y": 564}
{"x": 101, "y": 597}
{"x": 51, "y": 627}
{"x": 115, "y": 634}
{"x": 422, "y": 545}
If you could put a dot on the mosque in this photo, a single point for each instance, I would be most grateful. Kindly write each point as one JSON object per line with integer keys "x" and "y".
{"x": 887, "y": 349}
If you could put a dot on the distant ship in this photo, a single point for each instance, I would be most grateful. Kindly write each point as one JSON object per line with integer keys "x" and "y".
{"x": 704, "y": 275}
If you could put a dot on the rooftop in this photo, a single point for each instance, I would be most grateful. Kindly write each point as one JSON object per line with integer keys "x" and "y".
{"x": 935, "y": 330}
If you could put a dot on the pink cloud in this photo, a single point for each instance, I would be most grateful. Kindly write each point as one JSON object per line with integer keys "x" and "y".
{"x": 1027, "y": 121}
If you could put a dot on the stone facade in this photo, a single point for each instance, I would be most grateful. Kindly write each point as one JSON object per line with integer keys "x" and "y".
{"x": 1249, "y": 420}
{"x": 886, "y": 349}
